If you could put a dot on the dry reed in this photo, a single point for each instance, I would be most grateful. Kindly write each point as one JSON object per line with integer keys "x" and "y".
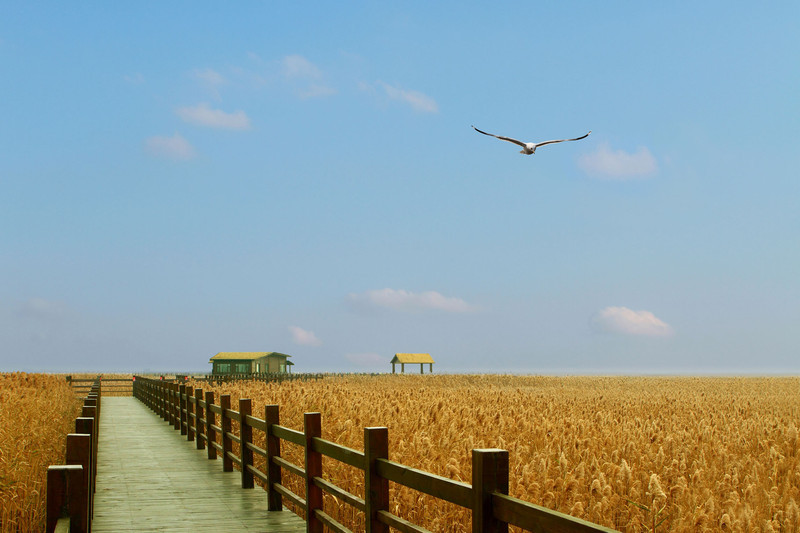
{"x": 635, "y": 454}
{"x": 36, "y": 413}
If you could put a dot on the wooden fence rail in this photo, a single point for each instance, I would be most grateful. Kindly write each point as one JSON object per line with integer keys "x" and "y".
{"x": 194, "y": 413}
{"x": 70, "y": 487}
{"x": 110, "y": 385}
{"x": 260, "y": 376}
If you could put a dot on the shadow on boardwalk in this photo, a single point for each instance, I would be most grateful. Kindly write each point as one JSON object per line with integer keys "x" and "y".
{"x": 149, "y": 478}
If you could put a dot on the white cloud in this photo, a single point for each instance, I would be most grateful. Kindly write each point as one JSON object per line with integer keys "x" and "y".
{"x": 210, "y": 76}
{"x": 304, "y": 337}
{"x": 297, "y": 66}
{"x": 305, "y": 77}
{"x": 628, "y": 322}
{"x": 401, "y": 300}
{"x": 316, "y": 91}
{"x": 175, "y": 147}
{"x": 204, "y": 115}
{"x": 417, "y": 100}
{"x": 618, "y": 164}
{"x": 366, "y": 359}
{"x": 135, "y": 78}
{"x": 40, "y": 308}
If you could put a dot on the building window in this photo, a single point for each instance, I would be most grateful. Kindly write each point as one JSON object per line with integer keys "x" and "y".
{"x": 223, "y": 368}
{"x": 242, "y": 368}
{"x": 258, "y": 367}
{"x": 283, "y": 367}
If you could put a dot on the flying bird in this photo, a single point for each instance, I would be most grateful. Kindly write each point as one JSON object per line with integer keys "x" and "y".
{"x": 528, "y": 148}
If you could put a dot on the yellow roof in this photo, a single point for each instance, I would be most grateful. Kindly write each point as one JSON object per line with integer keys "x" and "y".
{"x": 244, "y": 356}
{"x": 412, "y": 358}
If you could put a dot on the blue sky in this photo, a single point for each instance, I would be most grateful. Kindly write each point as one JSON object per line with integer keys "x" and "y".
{"x": 179, "y": 180}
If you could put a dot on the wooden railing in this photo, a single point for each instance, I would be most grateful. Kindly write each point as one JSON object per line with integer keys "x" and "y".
{"x": 194, "y": 413}
{"x": 70, "y": 487}
{"x": 260, "y": 376}
{"x": 111, "y": 386}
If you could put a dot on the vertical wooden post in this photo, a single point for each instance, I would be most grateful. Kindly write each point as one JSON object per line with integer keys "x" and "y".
{"x": 246, "y": 438}
{"x": 211, "y": 433}
{"x": 225, "y": 424}
{"x": 489, "y": 474}
{"x": 182, "y": 402}
{"x": 198, "y": 417}
{"x": 190, "y": 420}
{"x": 79, "y": 452}
{"x": 274, "y": 499}
{"x": 92, "y": 401}
{"x": 170, "y": 408}
{"x": 402, "y": 368}
{"x": 392, "y": 368}
{"x": 376, "y": 489}
{"x": 88, "y": 425}
{"x": 162, "y": 388}
{"x": 312, "y": 423}
{"x": 422, "y": 368}
{"x": 159, "y": 392}
{"x": 66, "y": 496}
{"x": 176, "y": 406}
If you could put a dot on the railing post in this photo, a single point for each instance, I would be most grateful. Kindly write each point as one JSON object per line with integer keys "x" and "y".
{"x": 312, "y": 423}
{"x": 246, "y": 438}
{"x": 162, "y": 400}
{"x": 376, "y": 489}
{"x": 190, "y": 421}
{"x": 211, "y": 433}
{"x": 79, "y": 452}
{"x": 176, "y": 406}
{"x": 91, "y": 400}
{"x": 489, "y": 475}
{"x": 274, "y": 499}
{"x": 66, "y": 496}
{"x": 225, "y": 424}
{"x": 182, "y": 401}
{"x": 87, "y": 424}
{"x": 198, "y": 418}
{"x": 167, "y": 403}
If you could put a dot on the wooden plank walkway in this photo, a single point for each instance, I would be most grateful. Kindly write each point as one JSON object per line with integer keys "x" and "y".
{"x": 150, "y": 478}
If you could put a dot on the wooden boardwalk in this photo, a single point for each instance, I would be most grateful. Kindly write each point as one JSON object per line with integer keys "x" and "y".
{"x": 150, "y": 478}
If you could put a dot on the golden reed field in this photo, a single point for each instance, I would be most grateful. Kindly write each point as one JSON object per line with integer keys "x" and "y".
{"x": 36, "y": 413}
{"x": 632, "y": 453}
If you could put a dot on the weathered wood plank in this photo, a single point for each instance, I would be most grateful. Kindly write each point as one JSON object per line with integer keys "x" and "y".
{"x": 152, "y": 479}
{"x": 441, "y": 487}
{"x": 340, "y": 453}
{"x": 540, "y": 519}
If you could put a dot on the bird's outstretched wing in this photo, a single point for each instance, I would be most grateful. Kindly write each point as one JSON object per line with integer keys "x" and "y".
{"x": 509, "y": 139}
{"x": 561, "y": 140}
